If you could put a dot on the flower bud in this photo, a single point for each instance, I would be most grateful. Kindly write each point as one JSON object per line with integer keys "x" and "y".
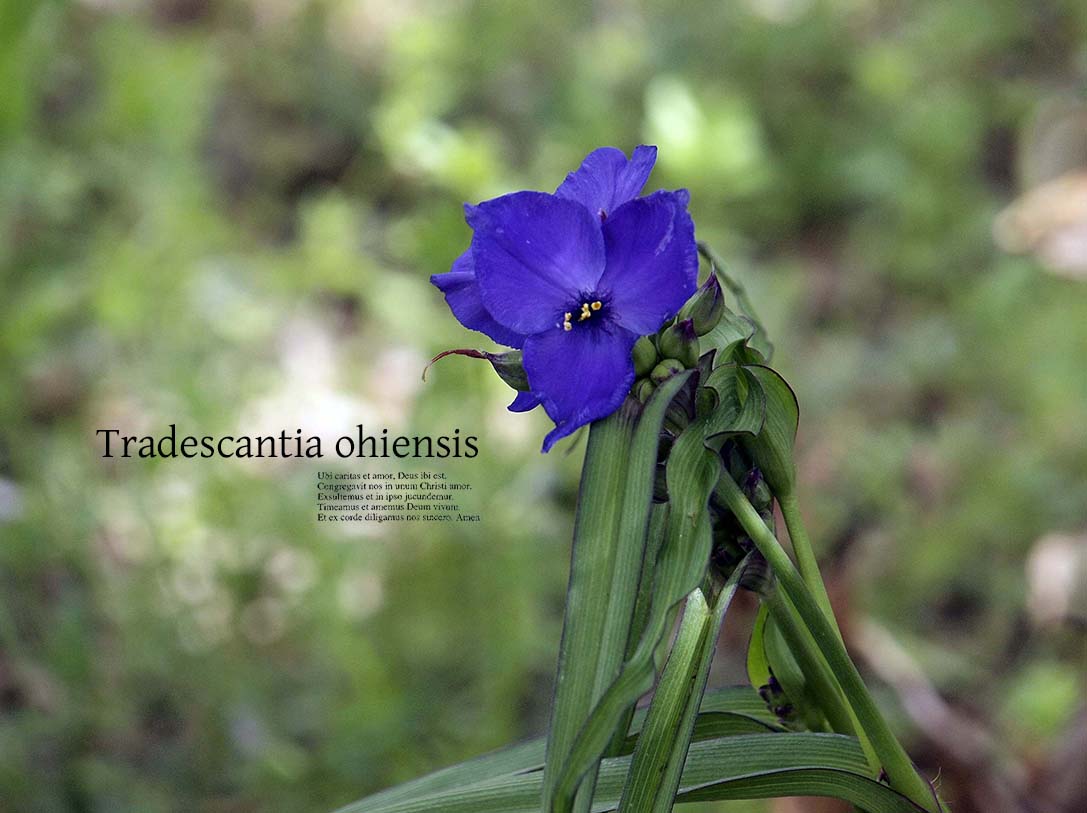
{"x": 681, "y": 342}
{"x": 665, "y": 370}
{"x": 705, "y": 307}
{"x": 757, "y": 576}
{"x": 757, "y": 490}
{"x": 645, "y": 356}
{"x": 643, "y": 389}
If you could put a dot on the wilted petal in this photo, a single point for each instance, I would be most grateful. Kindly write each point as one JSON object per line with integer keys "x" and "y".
{"x": 652, "y": 260}
{"x": 580, "y": 375}
{"x": 606, "y": 179}
{"x": 533, "y": 254}
{"x": 461, "y": 291}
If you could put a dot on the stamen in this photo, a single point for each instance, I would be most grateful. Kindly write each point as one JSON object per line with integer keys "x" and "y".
{"x": 585, "y": 312}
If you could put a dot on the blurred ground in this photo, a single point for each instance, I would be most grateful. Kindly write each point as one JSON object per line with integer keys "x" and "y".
{"x": 223, "y": 213}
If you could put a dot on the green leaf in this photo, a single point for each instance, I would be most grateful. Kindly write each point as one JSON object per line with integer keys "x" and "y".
{"x": 724, "y": 712}
{"x": 747, "y": 766}
{"x": 741, "y": 405}
{"x": 772, "y": 447}
{"x": 692, "y": 472}
{"x": 664, "y": 725}
{"x": 728, "y": 338}
{"x": 609, "y": 543}
{"x": 662, "y": 746}
{"x": 736, "y": 700}
{"x": 520, "y": 758}
{"x": 711, "y": 725}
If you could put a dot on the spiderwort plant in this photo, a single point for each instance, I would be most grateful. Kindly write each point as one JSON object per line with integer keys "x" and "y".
{"x": 690, "y": 448}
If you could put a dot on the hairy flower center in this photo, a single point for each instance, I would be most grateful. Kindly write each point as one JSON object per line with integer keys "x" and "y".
{"x": 585, "y": 313}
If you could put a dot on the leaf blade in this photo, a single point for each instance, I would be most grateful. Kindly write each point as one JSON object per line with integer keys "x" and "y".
{"x": 746, "y": 766}
{"x": 669, "y": 728}
{"x": 606, "y": 564}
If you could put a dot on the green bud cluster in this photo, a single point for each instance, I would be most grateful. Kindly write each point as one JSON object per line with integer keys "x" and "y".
{"x": 730, "y": 541}
{"x": 676, "y": 346}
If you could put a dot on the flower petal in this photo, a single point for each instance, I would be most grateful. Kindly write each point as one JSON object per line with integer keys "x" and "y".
{"x": 524, "y": 402}
{"x": 461, "y": 291}
{"x": 606, "y": 179}
{"x": 652, "y": 260}
{"x": 534, "y": 253}
{"x": 580, "y": 375}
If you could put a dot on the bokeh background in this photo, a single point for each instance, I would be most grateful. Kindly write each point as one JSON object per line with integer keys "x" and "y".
{"x": 223, "y": 213}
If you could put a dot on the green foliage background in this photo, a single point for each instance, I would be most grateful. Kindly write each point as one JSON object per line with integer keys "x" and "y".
{"x": 223, "y": 214}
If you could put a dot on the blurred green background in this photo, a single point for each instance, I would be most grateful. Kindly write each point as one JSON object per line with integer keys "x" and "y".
{"x": 223, "y": 214}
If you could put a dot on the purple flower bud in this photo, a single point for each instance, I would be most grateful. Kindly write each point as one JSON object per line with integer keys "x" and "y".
{"x": 706, "y": 307}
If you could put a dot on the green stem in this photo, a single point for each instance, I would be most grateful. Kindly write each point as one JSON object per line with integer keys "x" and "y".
{"x": 825, "y": 689}
{"x": 900, "y": 771}
{"x": 805, "y": 555}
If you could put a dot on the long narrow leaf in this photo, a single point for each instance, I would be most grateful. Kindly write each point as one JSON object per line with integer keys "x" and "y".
{"x": 609, "y": 544}
{"x": 692, "y": 472}
{"x": 661, "y": 733}
{"x": 724, "y": 712}
{"x": 669, "y": 727}
{"x": 747, "y": 766}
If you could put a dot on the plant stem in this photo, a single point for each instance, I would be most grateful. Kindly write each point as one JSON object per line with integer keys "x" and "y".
{"x": 824, "y": 687}
{"x": 805, "y": 555}
{"x": 901, "y": 773}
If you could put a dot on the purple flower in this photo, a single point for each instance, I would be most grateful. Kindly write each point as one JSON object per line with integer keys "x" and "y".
{"x": 574, "y": 278}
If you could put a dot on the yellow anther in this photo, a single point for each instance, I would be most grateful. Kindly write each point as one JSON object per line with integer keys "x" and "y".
{"x": 597, "y": 305}
{"x": 566, "y": 321}
{"x": 585, "y": 312}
